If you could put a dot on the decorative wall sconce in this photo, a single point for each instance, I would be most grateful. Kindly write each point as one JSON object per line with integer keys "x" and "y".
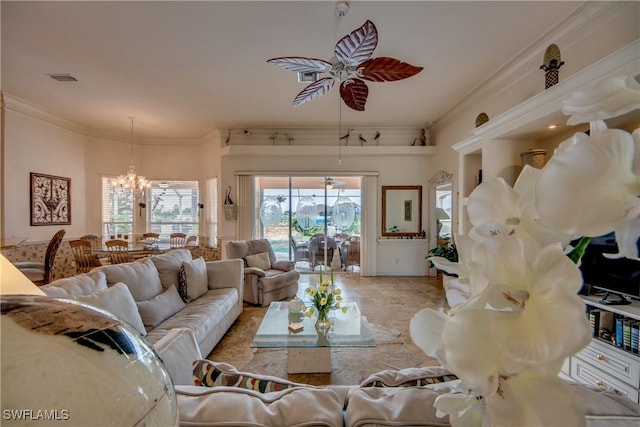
{"x": 230, "y": 210}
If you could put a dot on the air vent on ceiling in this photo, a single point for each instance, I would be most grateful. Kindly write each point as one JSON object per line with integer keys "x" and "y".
{"x": 63, "y": 77}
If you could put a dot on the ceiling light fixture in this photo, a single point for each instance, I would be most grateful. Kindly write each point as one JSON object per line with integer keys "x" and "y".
{"x": 552, "y": 126}
{"x": 132, "y": 183}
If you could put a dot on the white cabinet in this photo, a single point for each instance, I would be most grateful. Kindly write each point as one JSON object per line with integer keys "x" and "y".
{"x": 403, "y": 257}
{"x": 604, "y": 365}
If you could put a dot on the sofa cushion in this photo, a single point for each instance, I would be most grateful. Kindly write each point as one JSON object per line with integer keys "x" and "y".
{"x": 208, "y": 318}
{"x": 193, "y": 279}
{"x": 401, "y": 406}
{"x": 155, "y": 310}
{"x": 177, "y": 350}
{"x": 81, "y": 284}
{"x": 140, "y": 277}
{"x": 168, "y": 266}
{"x": 230, "y": 406}
{"x": 117, "y": 300}
{"x": 211, "y": 374}
{"x": 260, "y": 261}
{"x": 410, "y": 377}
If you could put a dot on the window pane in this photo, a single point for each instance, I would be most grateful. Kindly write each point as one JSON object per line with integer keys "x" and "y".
{"x": 174, "y": 207}
{"x": 117, "y": 210}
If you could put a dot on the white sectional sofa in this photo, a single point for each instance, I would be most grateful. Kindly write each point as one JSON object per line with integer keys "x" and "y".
{"x": 216, "y": 394}
{"x": 164, "y": 292}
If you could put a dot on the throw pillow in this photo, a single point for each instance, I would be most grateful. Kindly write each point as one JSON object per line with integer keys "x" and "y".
{"x": 409, "y": 377}
{"x": 193, "y": 279}
{"x": 80, "y": 284}
{"x": 141, "y": 278}
{"x": 117, "y": 300}
{"x": 153, "y": 311}
{"x": 209, "y": 374}
{"x": 260, "y": 261}
{"x": 168, "y": 265}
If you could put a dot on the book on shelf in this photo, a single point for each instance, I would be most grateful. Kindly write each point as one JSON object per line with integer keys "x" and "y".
{"x": 626, "y": 334}
{"x": 619, "y": 332}
{"x": 635, "y": 330}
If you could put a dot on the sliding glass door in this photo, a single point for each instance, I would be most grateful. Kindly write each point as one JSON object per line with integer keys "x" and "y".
{"x": 293, "y": 210}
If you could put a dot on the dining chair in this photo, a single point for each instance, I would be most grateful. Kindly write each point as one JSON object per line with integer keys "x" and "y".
{"x": 94, "y": 240}
{"x": 118, "y": 251}
{"x": 191, "y": 241}
{"x": 41, "y": 273}
{"x": 177, "y": 240}
{"x": 351, "y": 248}
{"x": 316, "y": 250}
{"x": 83, "y": 255}
{"x": 300, "y": 250}
{"x": 150, "y": 236}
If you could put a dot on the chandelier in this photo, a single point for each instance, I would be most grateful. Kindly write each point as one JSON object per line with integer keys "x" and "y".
{"x": 132, "y": 183}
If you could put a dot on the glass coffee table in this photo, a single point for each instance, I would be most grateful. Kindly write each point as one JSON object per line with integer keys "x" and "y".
{"x": 309, "y": 350}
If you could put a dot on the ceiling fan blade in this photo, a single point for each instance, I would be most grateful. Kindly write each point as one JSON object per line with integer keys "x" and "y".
{"x": 385, "y": 69}
{"x": 354, "y": 93}
{"x": 313, "y": 91}
{"x": 301, "y": 64}
{"x": 357, "y": 47}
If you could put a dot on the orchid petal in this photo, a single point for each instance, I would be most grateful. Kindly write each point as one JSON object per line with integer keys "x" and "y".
{"x": 493, "y": 202}
{"x": 426, "y": 328}
{"x": 597, "y": 174}
{"x": 464, "y": 410}
{"x": 552, "y": 324}
{"x": 534, "y": 399}
{"x": 608, "y": 98}
{"x": 627, "y": 237}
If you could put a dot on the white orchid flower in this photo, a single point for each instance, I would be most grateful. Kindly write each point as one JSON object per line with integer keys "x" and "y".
{"x": 533, "y": 398}
{"x": 591, "y": 187}
{"x": 608, "y": 98}
{"x": 464, "y": 410}
{"x": 528, "y": 316}
{"x": 497, "y": 209}
{"x": 467, "y": 268}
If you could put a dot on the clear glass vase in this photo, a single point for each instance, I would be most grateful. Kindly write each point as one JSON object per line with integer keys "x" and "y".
{"x": 322, "y": 322}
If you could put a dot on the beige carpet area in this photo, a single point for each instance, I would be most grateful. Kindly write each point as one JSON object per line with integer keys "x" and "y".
{"x": 387, "y": 302}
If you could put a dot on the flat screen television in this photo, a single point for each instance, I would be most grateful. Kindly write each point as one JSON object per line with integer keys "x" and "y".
{"x": 619, "y": 278}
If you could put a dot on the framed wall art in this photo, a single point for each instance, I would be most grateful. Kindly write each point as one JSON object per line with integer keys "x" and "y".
{"x": 50, "y": 199}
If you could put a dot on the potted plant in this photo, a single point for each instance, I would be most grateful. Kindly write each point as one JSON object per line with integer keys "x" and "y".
{"x": 447, "y": 250}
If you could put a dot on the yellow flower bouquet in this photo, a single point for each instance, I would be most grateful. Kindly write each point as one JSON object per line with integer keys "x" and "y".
{"x": 324, "y": 297}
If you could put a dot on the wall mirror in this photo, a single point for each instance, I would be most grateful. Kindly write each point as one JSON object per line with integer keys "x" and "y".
{"x": 401, "y": 210}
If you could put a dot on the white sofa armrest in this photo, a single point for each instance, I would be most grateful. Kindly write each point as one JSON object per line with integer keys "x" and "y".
{"x": 178, "y": 349}
{"x": 227, "y": 273}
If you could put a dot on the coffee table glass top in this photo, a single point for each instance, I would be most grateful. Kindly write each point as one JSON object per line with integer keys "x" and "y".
{"x": 348, "y": 329}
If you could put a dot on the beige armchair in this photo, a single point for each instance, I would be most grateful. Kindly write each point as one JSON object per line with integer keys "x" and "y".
{"x": 265, "y": 278}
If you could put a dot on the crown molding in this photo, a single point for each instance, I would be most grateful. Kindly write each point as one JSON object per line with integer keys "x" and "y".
{"x": 19, "y": 105}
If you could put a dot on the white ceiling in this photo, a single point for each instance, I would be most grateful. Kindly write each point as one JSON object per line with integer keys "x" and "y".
{"x": 183, "y": 68}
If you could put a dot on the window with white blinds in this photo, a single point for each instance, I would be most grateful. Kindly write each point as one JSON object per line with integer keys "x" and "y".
{"x": 117, "y": 210}
{"x": 212, "y": 211}
{"x": 173, "y": 208}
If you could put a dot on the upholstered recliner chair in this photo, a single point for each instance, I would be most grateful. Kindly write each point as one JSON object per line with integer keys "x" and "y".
{"x": 265, "y": 278}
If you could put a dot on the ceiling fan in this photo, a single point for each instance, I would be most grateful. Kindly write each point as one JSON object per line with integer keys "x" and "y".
{"x": 351, "y": 65}
{"x": 331, "y": 183}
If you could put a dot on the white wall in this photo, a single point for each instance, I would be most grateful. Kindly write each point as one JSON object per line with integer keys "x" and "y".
{"x": 33, "y": 145}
